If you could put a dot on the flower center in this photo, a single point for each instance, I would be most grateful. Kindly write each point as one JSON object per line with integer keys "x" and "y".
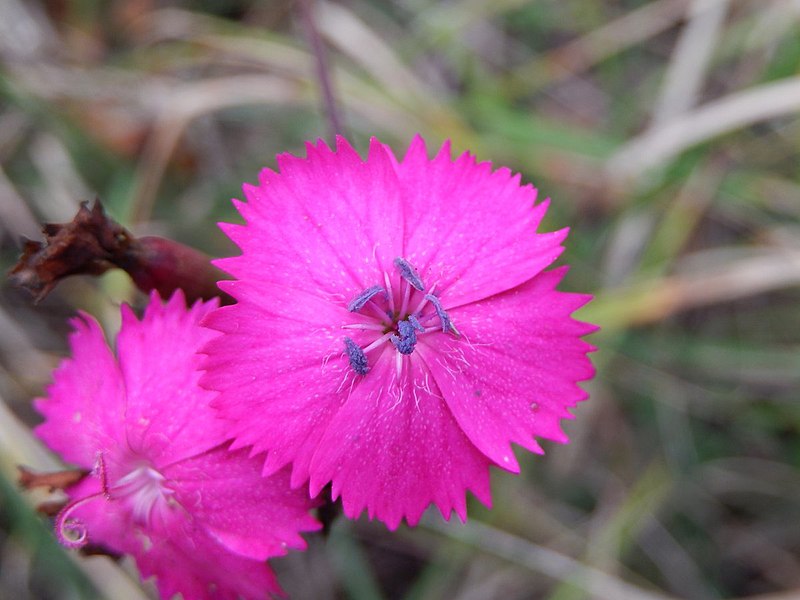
{"x": 418, "y": 312}
{"x": 143, "y": 489}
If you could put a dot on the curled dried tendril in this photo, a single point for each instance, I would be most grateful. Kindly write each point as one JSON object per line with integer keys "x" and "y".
{"x": 71, "y": 532}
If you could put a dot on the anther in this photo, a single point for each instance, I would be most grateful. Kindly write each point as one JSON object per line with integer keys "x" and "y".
{"x": 418, "y": 309}
{"x": 358, "y": 360}
{"x": 409, "y": 273}
{"x": 407, "y": 340}
{"x": 359, "y": 301}
{"x": 415, "y": 323}
{"x": 447, "y": 324}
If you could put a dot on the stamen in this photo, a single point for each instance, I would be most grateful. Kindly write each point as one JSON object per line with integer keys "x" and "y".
{"x": 389, "y": 294}
{"x": 424, "y": 301}
{"x": 359, "y": 301}
{"x": 406, "y": 296}
{"x": 415, "y": 323}
{"x": 358, "y": 360}
{"x": 409, "y": 273}
{"x": 364, "y": 326}
{"x": 447, "y": 324}
{"x": 378, "y": 311}
{"x": 383, "y": 318}
{"x": 381, "y": 340}
{"x": 407, "y": 339}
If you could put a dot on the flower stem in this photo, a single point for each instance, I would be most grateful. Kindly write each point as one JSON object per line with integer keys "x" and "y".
{"x": 322, "y": 69}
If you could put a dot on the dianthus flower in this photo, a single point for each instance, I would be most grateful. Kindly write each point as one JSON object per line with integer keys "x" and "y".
{"x": 395, "y": 330}
{"x": 163, "y": 486}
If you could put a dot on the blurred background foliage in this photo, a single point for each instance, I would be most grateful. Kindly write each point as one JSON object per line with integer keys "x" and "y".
{"x": 666, "y": 133}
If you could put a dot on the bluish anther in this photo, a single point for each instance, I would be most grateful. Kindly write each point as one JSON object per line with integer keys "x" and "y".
{"x": 359, "y": 301}
{"x": 358, "y": 360}
{"x": 409, "y": 273}
{"x": 447, "y": 324}
{"x": 415, "y": 323}
{"x": 407, "y": 340}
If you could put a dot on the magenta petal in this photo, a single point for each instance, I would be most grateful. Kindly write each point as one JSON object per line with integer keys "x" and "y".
{"x": 471, "y": 228}
{"x": 184, "y": 558}
{"x": 87, "y": 395}
{"x": 252, "y": 516}
{"x": 339, "y": 237}
{"x": 304, "y": 369}
{"x": 193, "y": 564}
{"x": 405, "y": 453}
{"x": 514, "y": 374}
{"x": 168, "y": 414}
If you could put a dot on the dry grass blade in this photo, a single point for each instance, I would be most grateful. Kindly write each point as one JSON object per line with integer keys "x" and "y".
{"x": 600, "y": 44}
{"x": 542, "y": 560}
{"x": 364, "y": 46}
{"x": 16, "y": 217}
{"x": 23, "y": 356}
{"x": 326, "y": 86}
{"x": 729, "y": 277}
{"x": 690, "y": 59}
{"x": 659, "y": 145}
{"x": 362, "y": 97}
{"x": 192, "y": 100}
{"x": 19, "y": 447}
{"x": 390, "y": 97}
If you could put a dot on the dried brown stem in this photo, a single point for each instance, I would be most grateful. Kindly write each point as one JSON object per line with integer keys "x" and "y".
{"x": 92, "y": 243}
{"x": 322, "y": 68}
{"x": 53, "y": 481}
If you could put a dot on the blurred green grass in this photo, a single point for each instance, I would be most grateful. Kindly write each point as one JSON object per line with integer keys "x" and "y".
{"x": 683, "y": 475}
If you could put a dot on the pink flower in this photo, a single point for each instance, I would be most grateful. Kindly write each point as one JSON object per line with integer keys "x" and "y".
{"x": 395, "y": 331}
{"x": 164, "y": 488}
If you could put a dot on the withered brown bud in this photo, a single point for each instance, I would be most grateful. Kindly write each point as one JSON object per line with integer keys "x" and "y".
{"x": 86, "y": 245}
{"x": 53, "y": 481}
{"x": 92, "y": 243}
{"x": 160, "y": 264}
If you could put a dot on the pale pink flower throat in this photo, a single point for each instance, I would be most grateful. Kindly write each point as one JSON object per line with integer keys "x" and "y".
{"x": 401, "y": 325}
{"x": 143, "y": 489}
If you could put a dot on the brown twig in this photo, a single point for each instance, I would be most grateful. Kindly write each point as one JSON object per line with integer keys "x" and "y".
{"x": 322, "y": 68}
